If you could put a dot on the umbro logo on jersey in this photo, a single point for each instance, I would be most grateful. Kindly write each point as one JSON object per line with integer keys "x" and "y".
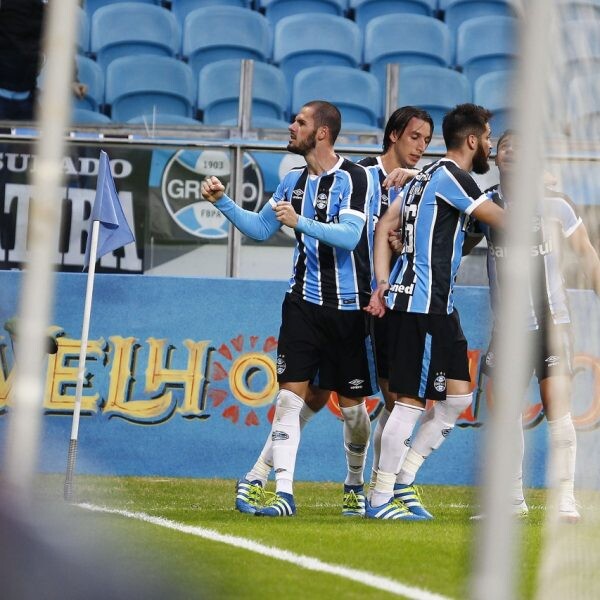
{"x": 552, "y": 361}
{"x": 385, "y": 199}
{"x": 297, "y": 193}
{"x": 356, "y": 384}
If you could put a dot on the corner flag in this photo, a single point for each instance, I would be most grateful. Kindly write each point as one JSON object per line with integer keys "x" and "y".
{"x": 114, "y": 231}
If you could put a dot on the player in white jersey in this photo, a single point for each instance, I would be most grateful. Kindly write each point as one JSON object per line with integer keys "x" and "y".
{"x": 555, "y": 223}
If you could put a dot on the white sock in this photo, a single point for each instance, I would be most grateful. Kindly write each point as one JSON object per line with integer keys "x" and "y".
{"x": 411, "y": 465}
{"x": 517, "y": 490}
{"x": 564, "y": 448}
{"x": 438, "y": 423}
{"x": 262, "y": 467}
{"x": 395, "y": 442}
{"x": 381, "y": 421}
{"x": 357, "y": 430}
{"x": 285, "y": 434}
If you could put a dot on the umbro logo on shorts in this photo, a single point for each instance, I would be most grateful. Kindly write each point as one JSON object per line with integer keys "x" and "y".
{"x": 356, "y": 384}
{"x": 552, "y": 361}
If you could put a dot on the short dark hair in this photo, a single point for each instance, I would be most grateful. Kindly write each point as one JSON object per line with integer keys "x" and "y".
{"x": 464, "y": 120}
{"x": 506, "y": 133}
{"x": 326, "y": 114}
{"x": 399, "y": 120}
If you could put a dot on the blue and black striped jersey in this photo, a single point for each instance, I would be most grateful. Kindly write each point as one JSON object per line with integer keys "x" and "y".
{"x": 323, "y": 274}
{"x": 435, "y": 210}
{"x": 555, "y": 220}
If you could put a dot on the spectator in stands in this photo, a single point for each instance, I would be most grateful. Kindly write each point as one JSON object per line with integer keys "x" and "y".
{"x": 549, "y": 319}
{"x": 324, "y": 331}
{"x": 428, "y": 351}
{"x": 21, "y": 24}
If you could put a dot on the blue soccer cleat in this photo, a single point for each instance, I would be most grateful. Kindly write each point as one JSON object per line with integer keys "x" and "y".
{"x": 249, "y": 495}
{"x": 411, "y": 497}
{"x": 282, "y": 505}
{"x": 354, "y": 501}
{"x": 394, "y": 509}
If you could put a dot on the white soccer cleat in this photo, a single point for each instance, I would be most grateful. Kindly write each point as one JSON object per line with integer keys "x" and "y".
{"x": 567, "y": 510}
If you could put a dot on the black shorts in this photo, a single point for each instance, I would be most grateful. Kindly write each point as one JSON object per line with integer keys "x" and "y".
{"x": 326, "y": 345}
{"x": 425, "y": 351}
{"x": 380, "y": 338}
{"x": 552, "y": 352}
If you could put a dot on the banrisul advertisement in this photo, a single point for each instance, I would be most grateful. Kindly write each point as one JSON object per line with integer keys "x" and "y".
{"x": 180, "y": 380}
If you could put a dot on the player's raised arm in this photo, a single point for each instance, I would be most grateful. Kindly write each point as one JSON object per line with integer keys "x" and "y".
{"x": 259, "y": 226}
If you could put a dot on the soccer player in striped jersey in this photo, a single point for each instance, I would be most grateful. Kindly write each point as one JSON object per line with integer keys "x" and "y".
{"x": 428, "y": 351}
{"x": 323, "y": 331}
{"x": 555, "y": 222}
{"x": 407, "y": 135}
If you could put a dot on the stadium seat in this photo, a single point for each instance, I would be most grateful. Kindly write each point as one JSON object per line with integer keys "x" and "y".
{"x": 182, "y": 8}
{"x": 365, "y": 10}
{"x": 583, "y": 109}
{"x": 132, "y": 28}
{"x": 493, "y": 90}
{"x": 407, "y": 40}
{"x": 219, "y": 91}
{"x": 149, "y": 85}
{"x": 91, "y": 6}
{"x": 309, "y": 40}
{"x": 82, "y": 116}
{"x": 435, "y": 89}
{"x": 83, "y": 33}
{"x": 457, "y": 12}
{"x": 579, "y": 9}
{"x": 581, "y": 43}
{"x": 486, "y": 44}
{"x": 261, "y": 123}
{"x": 356, "y": 93}
{"x": 90, "y": 73}
{"x": 275, "y": 10}
{"x": 207, "y": 35}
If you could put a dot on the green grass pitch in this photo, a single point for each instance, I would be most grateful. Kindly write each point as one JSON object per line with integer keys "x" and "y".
{"x": 434, "y": 556}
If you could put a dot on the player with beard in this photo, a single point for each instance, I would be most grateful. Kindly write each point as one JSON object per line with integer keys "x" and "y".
{"x": 324, "y": 333}
{"x": 427, "y": 348}
{"x": 406, "y": 137}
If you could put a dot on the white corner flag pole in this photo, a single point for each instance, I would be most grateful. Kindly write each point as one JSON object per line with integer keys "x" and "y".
{"x": 85, "y": 329}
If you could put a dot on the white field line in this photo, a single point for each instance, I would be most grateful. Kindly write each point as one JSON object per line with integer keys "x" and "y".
{"x": 306, "y": 562}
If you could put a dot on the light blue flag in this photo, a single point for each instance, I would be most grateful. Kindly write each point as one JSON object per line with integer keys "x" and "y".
{"x": 114, "y": 230}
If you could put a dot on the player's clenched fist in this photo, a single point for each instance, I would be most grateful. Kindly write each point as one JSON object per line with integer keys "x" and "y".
{"x": 212, "y": 189}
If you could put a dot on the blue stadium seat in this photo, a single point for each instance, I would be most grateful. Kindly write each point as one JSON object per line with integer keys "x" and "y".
{"x": 365, "y": 10}
{"x": 435, "y": 89}
{"x": 581, "y": 44}
{"x": 356, "y": 93}
{"x": 309, "y": 40}
{"x": 261, "y": 123}
{"x": 208, "y": 35}
{"x": 579, "y": 9}
{"x": 182, "y": 8}
{"x": 81, "y": 116}
{"x": 494, "y": 92}
{"x": 275, "y": 10}
{"x": 130, "y": 28}
{"x": 91, "y": 6}
{"x": 486, "y": 44}
{"x": 407, "y": 40}
{"x": 83, "y": 33}
{"x": 457, "y": 12}
{"x": 90, "y": 73}
{"x": 149, "y": 85}
{"x": 219, "y": 91}
{"x": 583, "y": 109}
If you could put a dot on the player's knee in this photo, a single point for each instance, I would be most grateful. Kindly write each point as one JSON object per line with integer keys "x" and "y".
{"x": 288, "y": 403}
{"x": 450, "y": 409}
